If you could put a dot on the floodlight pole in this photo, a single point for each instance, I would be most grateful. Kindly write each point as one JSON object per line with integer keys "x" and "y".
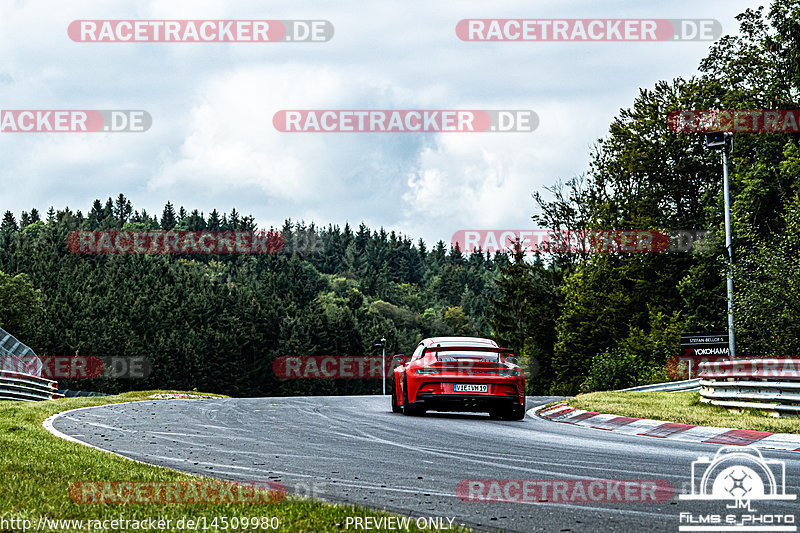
{"x": 728, "y": 247}
{"x": 383, "y": 365}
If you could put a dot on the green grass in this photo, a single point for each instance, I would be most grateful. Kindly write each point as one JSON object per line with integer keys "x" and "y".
{"x": 683, "y": 407}
{"x": 37, "y": 469}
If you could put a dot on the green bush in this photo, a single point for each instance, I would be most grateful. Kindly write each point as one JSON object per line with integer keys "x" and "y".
{"x": 640, "y": 358}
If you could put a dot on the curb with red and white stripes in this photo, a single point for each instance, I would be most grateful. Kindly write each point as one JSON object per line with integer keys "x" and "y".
{"x": 659, "y": 429}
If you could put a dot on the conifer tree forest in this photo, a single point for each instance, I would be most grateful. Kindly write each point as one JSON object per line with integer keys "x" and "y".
{"x": 580, "y": 322}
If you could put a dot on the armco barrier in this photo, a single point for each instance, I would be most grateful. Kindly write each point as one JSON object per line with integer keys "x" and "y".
{"x": 771, "y": 385}
{"x": 670, "y": 386}
{"x": 16, "y": 386}
{"x": 18, "y": 354}
{"x": 81, "y": 394}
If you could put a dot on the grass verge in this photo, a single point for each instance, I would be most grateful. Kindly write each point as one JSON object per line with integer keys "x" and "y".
{"x": 683, "y": 407}
{"x": 37, "y": 469}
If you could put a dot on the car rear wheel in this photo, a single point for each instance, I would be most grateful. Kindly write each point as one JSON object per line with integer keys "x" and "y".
{"x": 395, "y": 408}
{"x": 515, "y": 412}
{"x": 408, "y": 410}
{"x": 412, "y": 411}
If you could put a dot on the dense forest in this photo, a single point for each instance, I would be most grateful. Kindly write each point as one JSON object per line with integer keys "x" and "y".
{"x": 216, "y": 322}
{"x": 580, "y": 321}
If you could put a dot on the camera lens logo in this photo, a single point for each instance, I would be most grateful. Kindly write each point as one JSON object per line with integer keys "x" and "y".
{"x": 738, "y": 473}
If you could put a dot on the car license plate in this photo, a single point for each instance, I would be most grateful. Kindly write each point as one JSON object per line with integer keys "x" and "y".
{"x": 469, "y": 387}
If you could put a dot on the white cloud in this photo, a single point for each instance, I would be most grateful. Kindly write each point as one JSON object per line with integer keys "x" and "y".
{"x": 212, "y": 143}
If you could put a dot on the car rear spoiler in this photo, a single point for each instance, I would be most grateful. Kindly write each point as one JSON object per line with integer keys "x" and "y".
{"x": 507, "y": 353}
{"x": 469, "y": 349}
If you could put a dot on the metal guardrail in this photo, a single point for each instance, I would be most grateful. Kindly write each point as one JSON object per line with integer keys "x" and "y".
{"x": 771, "y": 385}
{"x": 15, "y": 385}
{"x": 12, "y": 345}
{"x": 79, "y": 393}
{"x": 18, "y": 355}
{"x": 671, "y": 386}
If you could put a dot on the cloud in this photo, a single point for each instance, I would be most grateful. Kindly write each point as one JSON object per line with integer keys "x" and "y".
{"x": 212, "y": 143}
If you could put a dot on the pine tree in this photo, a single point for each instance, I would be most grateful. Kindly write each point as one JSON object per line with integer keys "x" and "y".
{"x": 523, "y": 313}
{"x": 122, "y": 209}
{"x": 108, "y": 209}
{"x": 96, "y": 215}
{"x": 168, "y": 217}
{"x": 214, "y": 222}
{"x": 456, "y": 256}
{"x": 249, "y": 223}
{"x": 195, "y": 221}
{"x": 9, "y": 223}
{"x": 233, "y": 220}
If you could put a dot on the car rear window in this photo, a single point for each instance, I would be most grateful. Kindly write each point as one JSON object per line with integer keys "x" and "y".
{"x": 456, "y": 355}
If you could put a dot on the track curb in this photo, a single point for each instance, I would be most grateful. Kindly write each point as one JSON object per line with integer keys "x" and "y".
{"x": 644, "y": 427}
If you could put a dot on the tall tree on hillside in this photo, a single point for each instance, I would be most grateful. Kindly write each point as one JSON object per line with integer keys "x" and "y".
{"x": 122, "y": 209}
{"x": 9, "y": 223}
{"x": 108, "y": 213}
{"x": 214, "y": 222}
{"x": 233, "y": 220}
{"x": 96, "y": 215}
{"x": 643, "y": 177}
{"x": 20, "y": 304}
{"x": 522, "y": 314}
{"x": 168, "y": 220}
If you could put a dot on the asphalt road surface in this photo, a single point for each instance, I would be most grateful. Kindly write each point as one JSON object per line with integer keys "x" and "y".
{"x": 355, "y": 450}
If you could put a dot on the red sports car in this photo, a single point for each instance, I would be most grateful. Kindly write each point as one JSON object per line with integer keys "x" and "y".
{"x": 459, "y": 374}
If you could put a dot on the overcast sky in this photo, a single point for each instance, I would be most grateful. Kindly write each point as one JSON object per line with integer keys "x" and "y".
{"x": 212, "y": 143}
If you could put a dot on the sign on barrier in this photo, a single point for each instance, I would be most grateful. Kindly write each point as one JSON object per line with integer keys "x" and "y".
{"x": 697, "y": 348}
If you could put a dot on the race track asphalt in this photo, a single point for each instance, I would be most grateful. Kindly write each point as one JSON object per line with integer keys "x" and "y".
{"x": 355, "y": 450}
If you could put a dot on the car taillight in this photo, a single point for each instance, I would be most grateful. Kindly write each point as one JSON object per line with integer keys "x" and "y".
{"x": 426, "y": 371}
